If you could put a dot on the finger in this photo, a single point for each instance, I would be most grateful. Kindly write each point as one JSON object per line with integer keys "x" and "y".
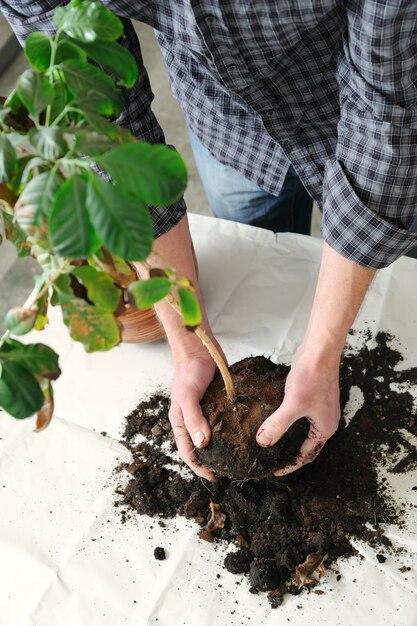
{"x": 195, "y": 423}
{"x": 186, "y": 447}
{"x": 276, "y": 425}
{"x": 309, "y": 450}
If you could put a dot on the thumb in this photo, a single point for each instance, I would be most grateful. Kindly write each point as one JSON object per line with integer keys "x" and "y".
{"x": 277, "y": 424}
{"x": 194, "y": 421}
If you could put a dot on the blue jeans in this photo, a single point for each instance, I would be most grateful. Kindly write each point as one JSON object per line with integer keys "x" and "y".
{"x": 234, "y": 197}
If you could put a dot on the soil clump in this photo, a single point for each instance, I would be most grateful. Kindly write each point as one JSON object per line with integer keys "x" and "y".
{"x": 284, "y": 533}
{"x": 233, "y": 451}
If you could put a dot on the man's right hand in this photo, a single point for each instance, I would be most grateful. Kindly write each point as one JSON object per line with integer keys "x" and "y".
{"x": 191, "y": 430}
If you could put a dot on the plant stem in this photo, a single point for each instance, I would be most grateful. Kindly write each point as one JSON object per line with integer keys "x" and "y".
{"x": 214, "y": 353}
{"x": 218, "y": 359}
{"x": 65, "y": 110}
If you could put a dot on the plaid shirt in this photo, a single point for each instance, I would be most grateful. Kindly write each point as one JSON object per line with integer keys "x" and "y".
{"x": 327, "y": 85}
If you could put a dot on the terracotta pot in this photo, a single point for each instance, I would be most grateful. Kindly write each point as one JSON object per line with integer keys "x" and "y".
{"x": 140, "y": 326}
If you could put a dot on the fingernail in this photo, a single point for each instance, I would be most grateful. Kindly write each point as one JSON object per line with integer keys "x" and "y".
{"x": 198, "y": 439}
{"x": 264, "y": 438}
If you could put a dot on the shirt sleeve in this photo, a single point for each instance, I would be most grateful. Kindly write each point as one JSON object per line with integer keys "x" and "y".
{"x": 370, "y": 186}
{"x": 137, "y": 115}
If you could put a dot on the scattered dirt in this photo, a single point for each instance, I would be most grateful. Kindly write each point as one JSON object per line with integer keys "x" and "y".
{"x": 233, "y": 451}
{"x": 284, "y": 533}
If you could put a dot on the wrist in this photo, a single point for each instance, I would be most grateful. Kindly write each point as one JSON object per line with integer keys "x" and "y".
{"x": 320, "y": 353}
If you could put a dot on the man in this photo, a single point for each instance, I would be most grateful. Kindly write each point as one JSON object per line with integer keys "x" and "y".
{"x": 317, "y": 91}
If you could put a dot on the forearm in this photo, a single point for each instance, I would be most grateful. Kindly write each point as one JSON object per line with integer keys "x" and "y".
{"x": 174, "y": 249}
{"x": 340, "y": 291}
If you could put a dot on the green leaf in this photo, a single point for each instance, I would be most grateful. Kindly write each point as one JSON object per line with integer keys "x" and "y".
{"x": 88, "y": 21}
{"x": 123, "y": 224}
{"x": 13, "y": 101}
{"x": 101, "y": 289}
{"x": 104, "y": 127}
{"x": 37, "y": 358}
{"x": 68, "y": 50}
{"x": 147, "y": 292}
{"x": 86, "y": 82}
{"x": 36, "y": 200}
{"x": 16, "y": 235}
{"x": 8, "y": 160}
{"x": 38, "y": 51}
{"x": 70, "y": 230}
{"x": 189, "y": 308}
{"x": 35, "y": 91}
{"x": 114, "y": 58}
{"x": 6, "y": 394}
{"x": 96, "y": 330}
{"x": 42, "y": 316}
{"x": 20, "y": 321}
{"x": 30, "y": 163}
{"x": 154, "y": 173}
{"x": 49, "y": 142}
{"x": 20, "y": 176}
{"x": 20, "y": 392}
{"x": 61, "y": 98}
{"x": 92, "y": 143}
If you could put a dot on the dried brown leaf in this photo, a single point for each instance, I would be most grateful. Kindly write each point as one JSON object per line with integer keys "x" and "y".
{"x": 217, "y": 518}
{"x": 310, "y": 572}
{"x": 45, "y": 414}
{"x": 206, "y": 535}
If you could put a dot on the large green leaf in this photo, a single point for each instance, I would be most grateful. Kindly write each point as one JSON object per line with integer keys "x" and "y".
{"x": 38, "y": 51}
{"x": 67, "y": 49}
{"x": 96, "y": 330}
{"x": 91, "y": 143}
{"x": 114, "y": 58}
{"x": 104, "y": 127}
{"x": 88, "y": 21}
{"x": 147, "y": 292}
{"x": 154, "y": 173}
{"x": 8, "y": 160}
{"x": 37, "y": 358}
{"x": 49, "y": 142}
{"x": 123, "y": 224}
{"x": 36, "y": 200}
{"x": 86, "y": 81}
{"x": 20, "y": 392}
{"x": 35, "y": 91}
{"x": 16, "y": 235}
{"x": 70, "y": 230}
{"x": 101, "y": 289}
{"x": 190, "y": 310}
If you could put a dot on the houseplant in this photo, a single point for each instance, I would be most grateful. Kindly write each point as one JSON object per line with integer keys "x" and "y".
{"x": 83, "y": 229}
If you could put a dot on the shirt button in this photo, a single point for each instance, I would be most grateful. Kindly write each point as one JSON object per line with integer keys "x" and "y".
{"x": 210, "y": 19}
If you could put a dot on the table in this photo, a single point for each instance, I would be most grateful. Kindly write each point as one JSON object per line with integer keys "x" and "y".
{"x": 66, "y": 558}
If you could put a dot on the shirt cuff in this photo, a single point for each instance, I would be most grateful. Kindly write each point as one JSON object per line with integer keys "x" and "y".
{"x": 165, "y": 218}
{"x": 353, "y": 230}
